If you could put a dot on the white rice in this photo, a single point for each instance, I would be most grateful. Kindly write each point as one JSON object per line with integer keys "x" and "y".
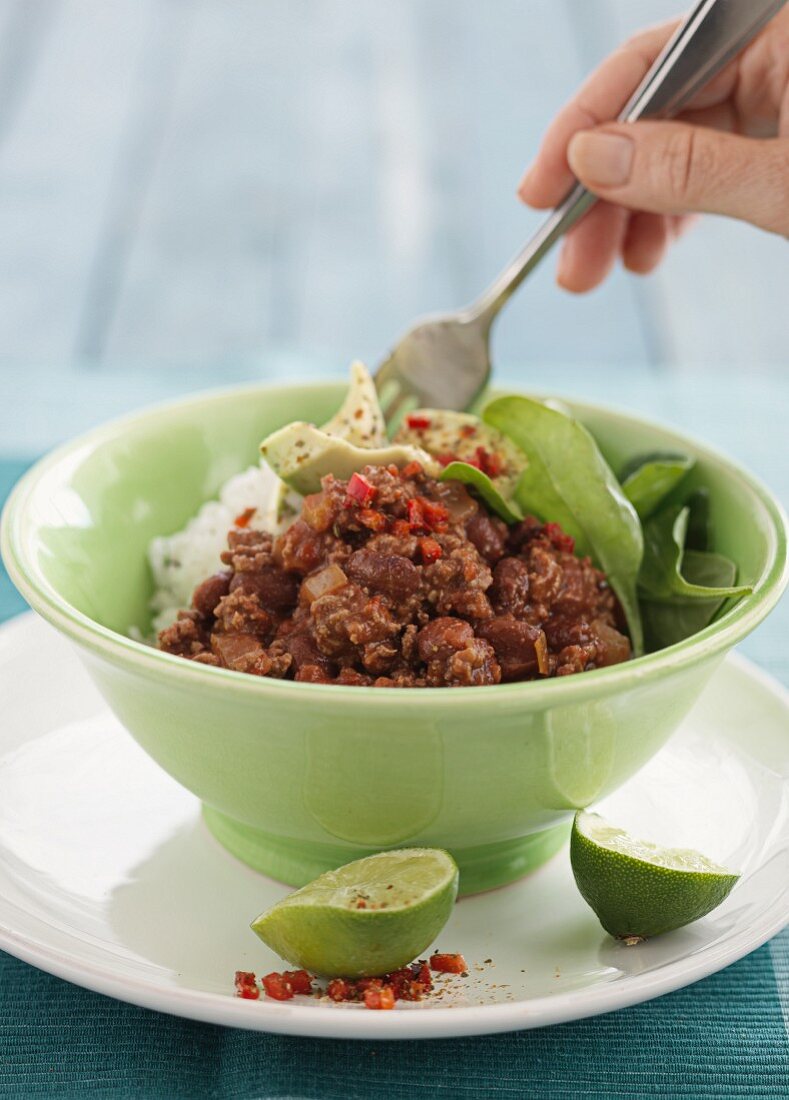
{"x": 181, "y": 561}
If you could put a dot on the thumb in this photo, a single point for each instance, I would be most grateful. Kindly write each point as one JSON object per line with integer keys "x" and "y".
{"x": 673, "y": 168}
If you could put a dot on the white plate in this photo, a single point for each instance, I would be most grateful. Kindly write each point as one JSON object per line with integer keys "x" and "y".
{"x": 108, "y": 877}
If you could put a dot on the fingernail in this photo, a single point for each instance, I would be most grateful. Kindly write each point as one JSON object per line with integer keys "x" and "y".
{"x": 602, "y": 160}
{"x": 563, "y": 267}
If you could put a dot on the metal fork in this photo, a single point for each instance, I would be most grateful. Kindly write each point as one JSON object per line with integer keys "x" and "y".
{"x": 444, "y": 360}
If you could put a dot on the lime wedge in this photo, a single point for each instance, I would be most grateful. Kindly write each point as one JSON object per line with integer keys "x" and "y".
{"x": 367, "y": 918}
{"x": 638, "y": 889}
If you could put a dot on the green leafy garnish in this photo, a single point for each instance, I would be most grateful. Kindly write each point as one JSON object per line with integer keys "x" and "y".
{"x": 567, "y": 481}
{"x": 661, "y": 576}
{"x": 649, "y": 480}
{"x": 699, "y": 533}
{"x": 670, "y": 621}
{"x": 482, "y": 484}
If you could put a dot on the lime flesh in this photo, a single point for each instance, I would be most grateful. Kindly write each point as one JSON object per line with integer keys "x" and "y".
{"x": 367, "y": 918}
{"x": 638, "y": 889}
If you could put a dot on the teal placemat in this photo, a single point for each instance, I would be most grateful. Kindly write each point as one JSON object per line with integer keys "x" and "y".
{"x": 725, "y": 1036}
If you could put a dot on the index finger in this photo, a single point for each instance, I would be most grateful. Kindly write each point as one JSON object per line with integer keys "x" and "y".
{"x": 599, "y": 99}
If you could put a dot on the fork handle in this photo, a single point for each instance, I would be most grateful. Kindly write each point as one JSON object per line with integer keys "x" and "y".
{"x": 711, "y": 35}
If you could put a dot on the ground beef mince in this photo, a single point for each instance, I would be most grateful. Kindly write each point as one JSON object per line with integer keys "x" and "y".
{"x": 393, "y": 579}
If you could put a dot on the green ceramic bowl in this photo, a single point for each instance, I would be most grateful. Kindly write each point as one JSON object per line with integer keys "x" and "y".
{"x": 297, "y": 778}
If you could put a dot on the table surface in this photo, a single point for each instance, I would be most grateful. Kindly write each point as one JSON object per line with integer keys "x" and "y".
{"x": 194, "y": 194}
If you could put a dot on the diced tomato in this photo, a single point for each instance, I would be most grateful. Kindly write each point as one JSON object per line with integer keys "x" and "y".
{"x": 401, "y": 528}
{"x": 558, "y": 537}
{"x": 418, "y": 423}
{"x": 277, "y": 986}
{"x": 375, "y": 521}
{"x": 360, "y": 490}
{"x": 299, "y": 981}
{"x": 413, "y": 469}
{"x": 379, "y": 998}
{"x": 448, "y": 964}
{"x": 340, "y": 990}
{"x": 246, "y": 986}
{"x": 243, "y": 519}
{"x": 430, "y": 550}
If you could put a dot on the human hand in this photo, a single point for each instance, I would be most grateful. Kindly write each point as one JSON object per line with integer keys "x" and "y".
{"x": 727, "y": 153}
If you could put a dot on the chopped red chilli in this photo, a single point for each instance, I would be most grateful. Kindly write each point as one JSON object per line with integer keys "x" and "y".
{"x": 277, "y": 987}
{"x": 246, "y": 986}
{"x": 360, "y": 491}
{"x": 409, "y": 983}
{"x": 299, "y": 981}
{"x": 448, "y": 964}
{"x": 374, "y": 521}
{"x": 418, "y": 423}
{"x": 490, "y": 464}
{"x": 562, "y": 541}
{"x": 379, "y": 998}
{"x": 243, "y": 519}
{"x": 429, "y": 550}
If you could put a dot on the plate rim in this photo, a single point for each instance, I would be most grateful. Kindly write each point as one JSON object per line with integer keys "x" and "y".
{"x": 413, "y": 1022}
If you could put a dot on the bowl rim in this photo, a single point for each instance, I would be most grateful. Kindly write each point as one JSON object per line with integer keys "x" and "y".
{"x": 121, "y": 649}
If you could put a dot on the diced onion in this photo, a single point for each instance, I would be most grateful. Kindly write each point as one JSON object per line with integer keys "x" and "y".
{"x": 329, "y": 579}
{"x": 541, "y": 652}
{"x": 460, "y": 504}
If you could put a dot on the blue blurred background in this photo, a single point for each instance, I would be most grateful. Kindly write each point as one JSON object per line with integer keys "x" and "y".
{"x": 198, "y": 192}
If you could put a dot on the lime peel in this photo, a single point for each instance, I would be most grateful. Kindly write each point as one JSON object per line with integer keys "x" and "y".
{"x": 638, "y": 889}
{"x": 367, "y": 918}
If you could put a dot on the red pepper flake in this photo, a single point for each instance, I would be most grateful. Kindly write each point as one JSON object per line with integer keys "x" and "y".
{"x": 375, "y": 521}
{"x": 413, "y": 469}
{"x": 448, "y": 964}
{"x": 379, "y": 998}
{"x": 361, "y": 904}
{"x": 277, "y": 987}
{"x": 360, "y": 491}
{"x": 243, "y": 519}
{"x": 418, "y": 423}
{"x": 430, "y": 550}
{"x": 246, "y": 986}
{"x": 558, "y": 537}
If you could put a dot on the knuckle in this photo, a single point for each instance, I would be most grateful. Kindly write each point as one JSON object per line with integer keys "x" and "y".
{"x": 683, "y": 164}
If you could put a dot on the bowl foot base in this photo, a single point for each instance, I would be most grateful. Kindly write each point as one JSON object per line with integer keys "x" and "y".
{"x": 298, "y": 862}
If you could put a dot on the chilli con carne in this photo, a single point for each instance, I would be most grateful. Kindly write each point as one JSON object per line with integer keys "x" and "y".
{"x": 394, "y": 579}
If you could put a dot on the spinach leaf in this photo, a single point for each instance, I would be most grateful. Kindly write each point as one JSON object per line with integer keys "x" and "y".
{"x": 661, "y": 576}
{"x": 670, "y": 621}
{"x": 568, "y": 481}
{"x": 652, "y": 479}
{"x": 699, "y": 534}
{"x": 482, "y": 484}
